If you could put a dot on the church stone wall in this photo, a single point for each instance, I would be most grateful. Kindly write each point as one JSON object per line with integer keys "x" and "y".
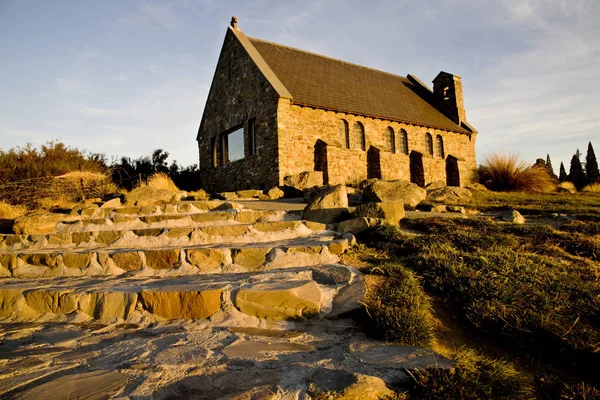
{"x": 238, "y": 93}
{"x": 300, "y": 127}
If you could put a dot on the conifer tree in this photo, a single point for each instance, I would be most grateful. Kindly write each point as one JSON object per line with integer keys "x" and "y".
{"x": 591, "y": 166}
{"x": 549, "y": 166}
{"x": 576, "y": 174}
{"x": 563, "y": 174}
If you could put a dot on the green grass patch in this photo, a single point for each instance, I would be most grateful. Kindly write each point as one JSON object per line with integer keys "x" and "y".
{"x": 581, "y": 204}
{"x": 536, "y": 289}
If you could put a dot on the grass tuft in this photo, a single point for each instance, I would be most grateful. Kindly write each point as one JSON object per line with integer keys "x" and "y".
{"x": 398, "y": 306}
{"x": 160, "y": 180}
{"x": 592, "y": 188}
{"x": 506, "y": 173}
{"x": 566, "y": 185}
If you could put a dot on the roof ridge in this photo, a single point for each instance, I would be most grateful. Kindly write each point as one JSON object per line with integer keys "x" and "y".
{"x": 327, "y": 57}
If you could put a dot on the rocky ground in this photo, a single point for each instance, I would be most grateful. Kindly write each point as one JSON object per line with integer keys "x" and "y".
{"x": 187, "y": 300}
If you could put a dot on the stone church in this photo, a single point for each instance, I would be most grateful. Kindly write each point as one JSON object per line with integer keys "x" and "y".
{"x": 275, "y": 111}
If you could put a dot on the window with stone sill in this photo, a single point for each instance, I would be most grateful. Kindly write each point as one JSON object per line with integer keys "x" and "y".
{"x": 359, "y": 136}
{"x": 403, "y": 142}
{"x": 390, "y": 140}
{"x": 428, "y": 144}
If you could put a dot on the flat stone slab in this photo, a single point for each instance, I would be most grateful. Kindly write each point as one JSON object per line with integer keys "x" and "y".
{"x": 398, "y": 356}
{"x": 100, "y": 384}
{"x": 260, "y": 350}
{"x": 280, "y": 300}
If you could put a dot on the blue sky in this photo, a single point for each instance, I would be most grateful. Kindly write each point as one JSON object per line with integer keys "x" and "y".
{"x": 126, "y": 77}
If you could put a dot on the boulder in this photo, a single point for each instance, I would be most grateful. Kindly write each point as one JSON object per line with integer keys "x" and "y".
{"x": 329, "y": 206}
{"x": 228, "y": 195}
{"x": 38, "y": 223}
{"x": 391, "y": 191}
{"x": 113, "y": 203}
{"x": 476, "y": 186}
{"x": 275, "y": 193}
{"x": 147, "y": 195}
{"x": 357, "y": 225}
{"x": 304, "y": 180}
{"x": 355, "y": 199}
{"x": 513, "y": 216}
{"x": 449, "y": 195}
{"x": 392, "y": 212}
{"x": 279, "y": 300}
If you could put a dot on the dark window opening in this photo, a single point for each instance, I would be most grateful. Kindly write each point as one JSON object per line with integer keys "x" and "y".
{"x": 252, "y": 136}
{"x": 403, "y": 142}
{"x": 233, "y": 145}
{"x": 213, "y": 151}
{"x": 390, "y": 140}
{"x": 428, "y": 144}
{"x": 359, "y": 136}
{"x": 439, "y": 146}
{"x": 344, "y": 133}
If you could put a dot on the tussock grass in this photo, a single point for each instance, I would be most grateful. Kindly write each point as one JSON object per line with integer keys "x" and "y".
{"x": 506, "y": 173}
{"x": 160, "y": 180}
{"x": 51, "y": 203}
{"x": 199, "y": 194}
{"x": 592, "y": 188}
{"x": 9, "y": 211}
{"x": 398, "y": 306}
{"x": 567, "y": 186}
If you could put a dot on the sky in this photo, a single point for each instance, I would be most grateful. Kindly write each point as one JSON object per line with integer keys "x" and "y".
{"x": 127, "y": 77}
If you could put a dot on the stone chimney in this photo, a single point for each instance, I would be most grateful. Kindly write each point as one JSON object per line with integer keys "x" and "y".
{"x": 234, "y": 21}
{"x": 448, "y": 97}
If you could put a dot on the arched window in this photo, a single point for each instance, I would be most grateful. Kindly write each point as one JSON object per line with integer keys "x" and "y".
{"x": 344, "y": 133}
{"x": 359, "y": 136}
{"x": 439, "y": 146}
{"x": 403, "y": 143}
{"x": 390, "y": 139}
{"x": 428, "y": 143}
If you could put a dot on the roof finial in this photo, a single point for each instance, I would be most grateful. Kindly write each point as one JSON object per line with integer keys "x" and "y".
{"x": 234, "y": 21}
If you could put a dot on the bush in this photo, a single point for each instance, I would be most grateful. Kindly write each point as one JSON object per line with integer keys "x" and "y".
{"x": 161, "y": 180}
{"x": 506, "y": 173}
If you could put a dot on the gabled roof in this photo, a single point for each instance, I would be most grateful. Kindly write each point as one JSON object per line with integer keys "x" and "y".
{"x": 323, "y": 82}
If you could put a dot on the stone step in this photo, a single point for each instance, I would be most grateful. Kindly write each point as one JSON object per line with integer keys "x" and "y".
{"x": 144, "y": 238}
{"x": 174, "y": 260}
{"x": 301, "y": 292}
{"x": 194, "y": 219}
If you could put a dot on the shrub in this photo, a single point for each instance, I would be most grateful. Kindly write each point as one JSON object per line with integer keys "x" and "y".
{"x": 506, "y": 173}
{"x": 592, "y": 188}
{"x": 161, "y": 180}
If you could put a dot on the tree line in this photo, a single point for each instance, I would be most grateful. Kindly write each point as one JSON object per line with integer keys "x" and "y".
{"x": 580, "y": 173}
{"x": 54, "y": 158}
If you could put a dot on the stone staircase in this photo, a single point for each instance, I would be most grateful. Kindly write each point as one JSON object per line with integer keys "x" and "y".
{"x": 187, "y": 300}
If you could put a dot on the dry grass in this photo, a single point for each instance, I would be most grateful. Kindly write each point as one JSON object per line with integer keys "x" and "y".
{"x": 506, "y": 173}
{"x": 50, "y": 203}
{"x": 592, "y": 188}
{"x": 85, "y": 175}
{"x": 567, "y": 186}
{"x": 198, "y": 195}
{"x": 160, "y": 180}
{"x": 8, "y": 211}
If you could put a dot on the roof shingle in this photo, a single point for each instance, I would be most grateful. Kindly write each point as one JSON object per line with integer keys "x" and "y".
{"x": 323, "y": 82}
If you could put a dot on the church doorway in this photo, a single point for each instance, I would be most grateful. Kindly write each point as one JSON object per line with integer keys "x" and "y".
{"x": 417, "y": 174}
{"x": 452, "y": 173}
